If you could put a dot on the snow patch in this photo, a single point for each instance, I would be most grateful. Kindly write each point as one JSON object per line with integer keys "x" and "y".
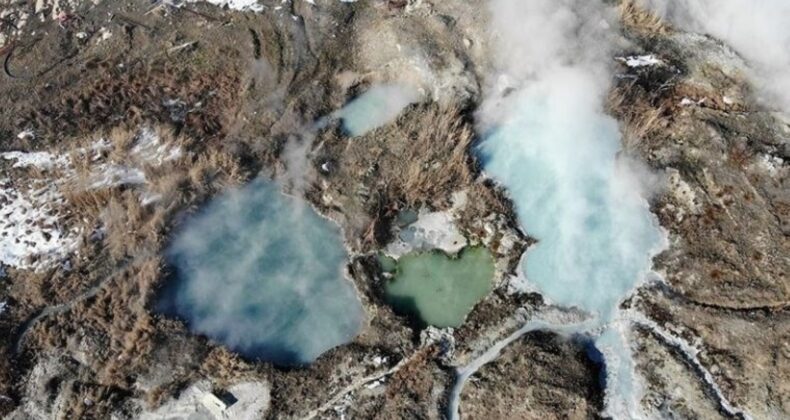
{"x": 772, "y": 164}
{"x": 149, "y": 148}
{"x": 636, "y": 61}
{"x": 240, "y": 5}
{"x": 112, "y": 175}
{"x": 33, "y": 209}
{"x": 30, "y": 226}
{"x": 41, "y": 160}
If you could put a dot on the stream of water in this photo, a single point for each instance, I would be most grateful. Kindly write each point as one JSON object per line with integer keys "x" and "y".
{"x": 558, "y": 155}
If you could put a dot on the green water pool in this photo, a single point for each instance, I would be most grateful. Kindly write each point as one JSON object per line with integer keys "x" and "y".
{"x": 438, "y": 289}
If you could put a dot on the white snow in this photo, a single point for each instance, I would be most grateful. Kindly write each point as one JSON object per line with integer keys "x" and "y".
{"x": 635, "y": 61}
{"x": 147, "y": 150}
{"x": 115, "y": 175}
{"x": 41, "y": 160}
{"x": 104, "y": 34}
{"x": 26, "y": 134}
{"x": 30, "y": 232}
{"x": 150, "y": 149}
{"x": 241, "y": 5}
{"x": 147, "y": 197}
{"x": 33, "y": 234}
{"x": 772, "y": 164}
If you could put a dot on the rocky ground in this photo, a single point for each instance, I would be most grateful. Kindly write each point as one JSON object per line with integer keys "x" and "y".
{"x": 231, "y": 94}
{"x": 548, "y": 376}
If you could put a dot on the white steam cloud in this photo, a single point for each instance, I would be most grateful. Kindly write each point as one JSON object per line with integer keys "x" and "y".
{"x": 757, "y": 29}
{"x": 376, "y": 107}
{"x": 262, "y": 273}
{"x": 556, "y": 150}
{"x": 549, "y": 141}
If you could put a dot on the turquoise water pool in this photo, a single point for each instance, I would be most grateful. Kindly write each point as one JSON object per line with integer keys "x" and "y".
{"x": 262, "y": 273}
{"x": 375, "y": 107}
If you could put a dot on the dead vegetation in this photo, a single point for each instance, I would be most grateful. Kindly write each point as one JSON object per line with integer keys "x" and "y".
{"x": 637, "y": 19}
{"x": 527, "y": 370}
{"x": 417, "y": 161}
{"x": 225, "y": 367}
{"x": 411, "y": 390}
{"x": 154, "y": 91}
{"x": 420, "y": 159}
{"x": 641, "y": 117}
{"x": 111, "y": 321}
{"x": 133, "y": 216}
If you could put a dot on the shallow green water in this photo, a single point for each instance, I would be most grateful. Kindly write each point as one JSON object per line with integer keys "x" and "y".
{"x": 438, "y": 289}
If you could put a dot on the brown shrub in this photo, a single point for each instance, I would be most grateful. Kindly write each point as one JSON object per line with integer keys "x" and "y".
{"x": 639, "y": 119}
{"x": 636, "y": 19}
{"x": 421, "y": 158}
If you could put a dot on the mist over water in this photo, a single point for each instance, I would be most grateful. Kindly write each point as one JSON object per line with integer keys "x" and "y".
{"x": 595, "y": 231}
{"x": 262, "y": 273}
{"x": 551, "y": 144}
{"x": 375, "y": 107}
{"x": 549, "y": 141}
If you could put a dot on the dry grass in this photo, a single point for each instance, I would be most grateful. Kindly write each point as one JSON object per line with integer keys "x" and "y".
{"x": 116, "y": 320}
{"x": 225, "y": 367}
{"x": 640, "y": 119}
{"x": 134, "y": 94}
{"x": 418, "y": 160}
{"x": 132, "y": 227}
{"x": 433, "y": 160}
{"x": 638, "y": 20}
{"x": 740, "y": 156}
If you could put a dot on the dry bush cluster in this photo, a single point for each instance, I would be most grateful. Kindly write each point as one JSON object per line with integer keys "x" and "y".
{"x": 640, "y": 117}
{"x": 119, "y": 311}
{"x": 418, "y": 160}
{"x": 91, "y": 400}
{"x": 225, "y": 367}
{"x": 637, "y": 19}
{"x": 437, "y": 159}
{"x": 421, "y": 159}
{"x": 112, "y": 323}
{"x": 131, "y": 226}
{"x": 409, "y": 390}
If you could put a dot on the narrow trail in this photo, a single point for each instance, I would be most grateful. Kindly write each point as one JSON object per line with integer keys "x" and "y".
{"x": 63, "y": 307}
{"x": 52, "y": 310}
{"x": 535, "y": 324}
{"x": 358, "y": 384}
